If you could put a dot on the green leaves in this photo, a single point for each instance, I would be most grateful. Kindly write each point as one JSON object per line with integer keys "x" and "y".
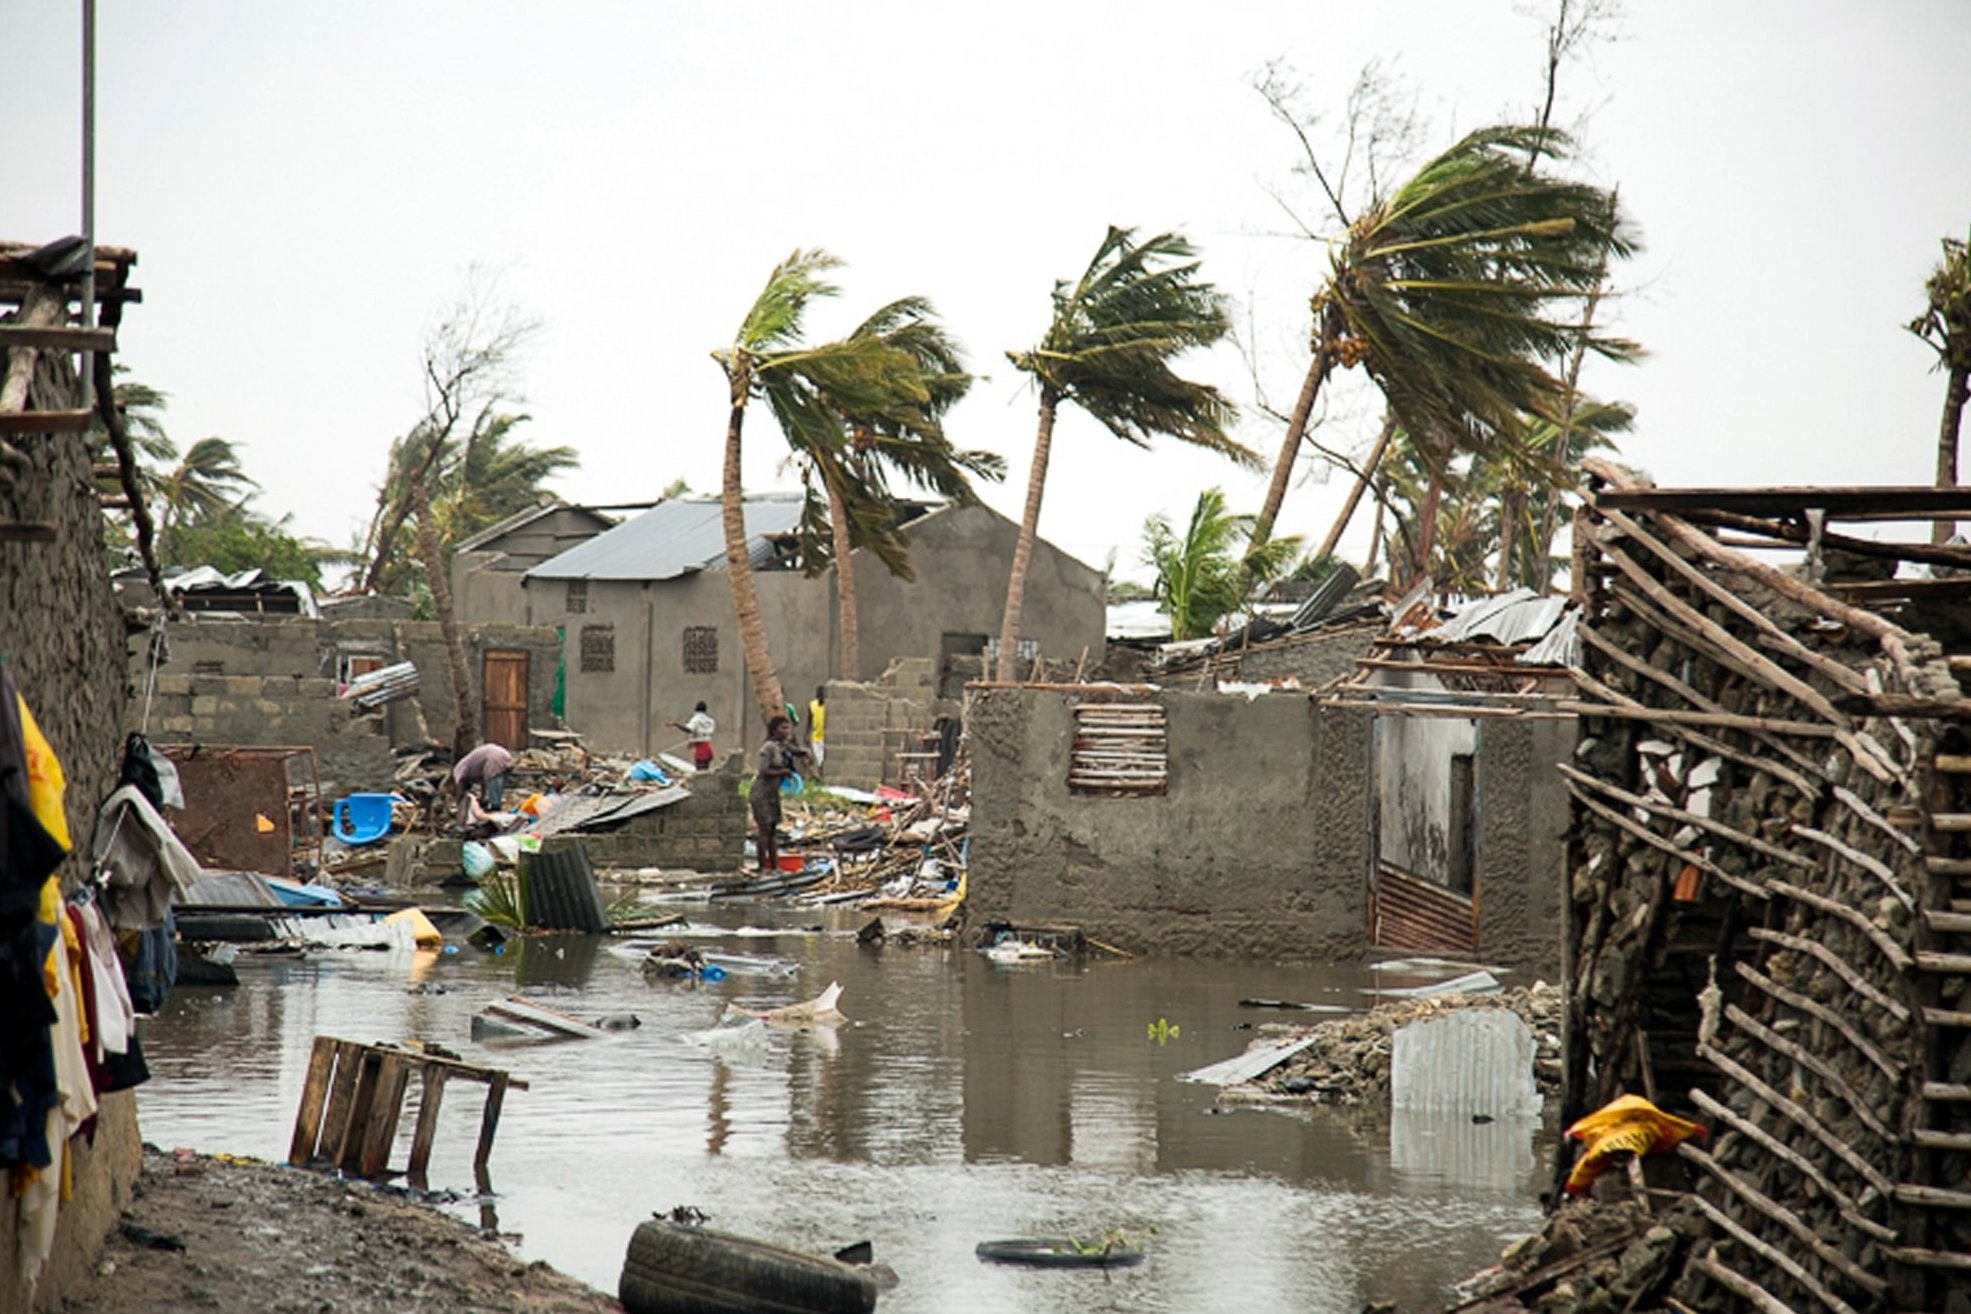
{"x": 1114, "y": 333}
{"x": 1201, "y": 574}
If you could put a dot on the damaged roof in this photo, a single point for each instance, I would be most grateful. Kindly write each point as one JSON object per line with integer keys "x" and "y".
{"x": 676, "y": 537}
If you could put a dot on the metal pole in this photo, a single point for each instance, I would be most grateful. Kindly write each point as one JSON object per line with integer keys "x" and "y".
{"x": 89, "y": 194}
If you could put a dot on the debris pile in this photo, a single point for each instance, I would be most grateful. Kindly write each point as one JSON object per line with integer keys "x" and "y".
{"x": 1348, "y": 1062}
{"x": 1613, "y": 1256}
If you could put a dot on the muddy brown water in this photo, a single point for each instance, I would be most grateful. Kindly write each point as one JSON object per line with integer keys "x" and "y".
{"x": 964, "y": 1100}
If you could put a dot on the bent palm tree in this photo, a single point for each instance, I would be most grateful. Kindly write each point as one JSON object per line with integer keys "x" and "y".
{"x": 808, "y": 388}
{"x": 207, "y": 483}
{"x": 1442, "y": 292}
{"x": 1108, "y": 350}
{"x": 1946, "y": 325}
{"x": 847, "y": 460}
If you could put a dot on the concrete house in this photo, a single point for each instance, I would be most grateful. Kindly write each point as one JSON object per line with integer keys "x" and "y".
{"x": 650, "y": 631}
{"x": 487, "y": 568}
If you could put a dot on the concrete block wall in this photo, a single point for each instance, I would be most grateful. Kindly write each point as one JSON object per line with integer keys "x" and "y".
{"x": 859, "y": 714}
{"x": 352, "y": 749}
{"x": 706, "y": 832}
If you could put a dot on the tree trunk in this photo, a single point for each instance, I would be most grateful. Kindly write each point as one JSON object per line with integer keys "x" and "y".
{"x": 739, "y": 567}
{"x": 1511, "y": 507}
{"x": 1958, "y": 382}
{"x": 1310, "y": 388}
{"x": 1550, "y": 518}
{"x": 1016, "y": 584}
{"x": 464, "y": 729}
{"x": 1368, "y": 472}
{"x": 838, "y": 524}
{"x": 1427, "y": 524}
{"x": 1375, "y": 535}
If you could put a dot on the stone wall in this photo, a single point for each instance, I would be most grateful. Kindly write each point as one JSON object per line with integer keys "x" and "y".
{"x": 1265, "y": 838}
{"x": 62, "y": 636}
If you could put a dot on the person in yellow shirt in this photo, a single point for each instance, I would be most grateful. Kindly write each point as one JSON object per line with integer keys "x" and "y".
{"x": 817, "y": 718}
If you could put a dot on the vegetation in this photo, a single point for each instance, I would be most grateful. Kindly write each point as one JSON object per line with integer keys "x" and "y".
{"x": 1946, "y": 325}
{"x": 1108, "y": 350}
{"x": 1201, "y": 574}
{"x": 816, "y": 392}
{"x": 847, "y": 460}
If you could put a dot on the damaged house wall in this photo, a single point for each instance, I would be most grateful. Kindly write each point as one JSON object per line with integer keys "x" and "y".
{"x": 275, "y": 681}
{"x": 62, "y": 636}
{"x": 1768, "y": 902}
{"x": 1264, "y": 840}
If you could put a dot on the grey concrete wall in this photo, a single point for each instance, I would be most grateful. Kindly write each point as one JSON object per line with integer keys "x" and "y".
{"x": 1522, "y": 826}
{"x": 706, "y": 832}
{"x": 63, "y": 637}
{"x": 963, "y": 557}
{"x": 1262, "y": 844}
{"x": 274, "y": 682}
{"x": 1312, "y": 659}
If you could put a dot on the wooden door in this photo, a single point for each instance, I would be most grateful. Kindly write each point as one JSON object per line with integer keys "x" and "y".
{"x": 503, "y": 705}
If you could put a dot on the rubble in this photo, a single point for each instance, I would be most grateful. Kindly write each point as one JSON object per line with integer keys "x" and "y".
{"x": 1348, "y": 1062}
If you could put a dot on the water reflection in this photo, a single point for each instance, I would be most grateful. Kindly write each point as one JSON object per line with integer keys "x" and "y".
{"x": 962, "y": 1100}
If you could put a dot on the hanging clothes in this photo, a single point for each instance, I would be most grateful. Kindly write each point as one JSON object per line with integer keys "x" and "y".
{"x": 116, "y": 1019}
{"x": 29, "y": 856}
{"x": 41, "y": 1193}
{"x": 141, "y": 861}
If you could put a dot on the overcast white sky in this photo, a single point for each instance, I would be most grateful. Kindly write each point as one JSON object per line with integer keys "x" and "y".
{"x": 308, "y": 184}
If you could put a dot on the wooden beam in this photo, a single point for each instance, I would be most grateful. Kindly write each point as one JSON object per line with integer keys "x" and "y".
{"x": 1889, "y": 502}
{"x": 57, "y": 337}
{"x": 29, "y": 422}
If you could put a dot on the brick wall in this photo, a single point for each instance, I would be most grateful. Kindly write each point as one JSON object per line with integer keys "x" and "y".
{"x": 352, "y": 749}
{"x": 706, "y": 832}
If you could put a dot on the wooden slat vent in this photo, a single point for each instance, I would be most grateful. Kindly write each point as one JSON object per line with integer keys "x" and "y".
{"x": 1120, "y": 750}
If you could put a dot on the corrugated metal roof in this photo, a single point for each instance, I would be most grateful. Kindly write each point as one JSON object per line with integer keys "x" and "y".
{"x": 1508, "y": 618}
{"x": 674, "y": 538}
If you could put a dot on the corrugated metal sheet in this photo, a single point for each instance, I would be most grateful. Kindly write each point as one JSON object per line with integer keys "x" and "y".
{"x": 1408, "y": 913}
{"x": 674, "y": 538}
{"x": 1509, "y": 618}
{"x": 1474, "y": 1061}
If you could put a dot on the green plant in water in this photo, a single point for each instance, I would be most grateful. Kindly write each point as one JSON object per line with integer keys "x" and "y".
{"x": 1162, "y": 1031}
{"x": 499, "y": 900}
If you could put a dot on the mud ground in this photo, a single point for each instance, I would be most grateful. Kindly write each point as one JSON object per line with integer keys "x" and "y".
{"x": 257, "y": 1238}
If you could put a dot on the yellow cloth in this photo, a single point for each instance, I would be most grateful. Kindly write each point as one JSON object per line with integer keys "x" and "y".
{"x": 50, "y": 914}
{"x": 1629, "y": 1124}
{"x": 817, "y": 717}
{"x": 44, "y": 778}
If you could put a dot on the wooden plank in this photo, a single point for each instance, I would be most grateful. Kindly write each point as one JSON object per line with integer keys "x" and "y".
{"x": 1947, "y": 866}
{"x": 1932, "y": 1197}
{"x": 341, "y": 1100}
{"x": 1947, "y": 923}
{"x": 1850, "y": 1212}
{"x": 1820, "y": 1067}
{"x": 26, "y": 531}
{"x": 1946, "y": 1092}
{"x": 1840, "y": 966}
{"x": 1956, "y": 764}
{"x": 1773, "y": 1255}
{"x": 314, "y": 1099}
{"x": 13, "y": 423}
{"x": 57, "y": 337}
{"x": 1947, "y": 964}
{"x": 1925, "y": 1139}
{"x": 1953, "y": 823}
{"x": 1733, "y": 721}
{"x": 1892, "y": 501}
{"x": 1944, "y": 1017}
{"x": 429, "y": 1099}
{"x": 1916, "y": 1258}
{"x": 489, "y": 1120}
{"x": 1741, "y": 1286}
{"x": 386, "y": 1109}
{"x": 347, "y": 1153}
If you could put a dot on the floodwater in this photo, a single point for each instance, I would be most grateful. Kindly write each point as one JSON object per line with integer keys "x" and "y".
{"x": 963, "y": 1101}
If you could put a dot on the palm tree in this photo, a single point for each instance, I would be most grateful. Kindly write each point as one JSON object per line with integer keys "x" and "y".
{"x": 1442, "y": 289}
{"x": 1108, "y": 350}
{"x": 848, "y": 460}
{"x": 1200, "y": 575}
{"x": 809, "y": 388}
{"x": 206, "y": 484}
{"x": 1946, "y": 325}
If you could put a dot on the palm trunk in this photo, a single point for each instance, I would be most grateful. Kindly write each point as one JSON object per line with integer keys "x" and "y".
{"x": 1016, "y": 583}
{"x": 1512, "y": 506}
{"x": 1427, "y": 524}
{"x": 838, "y": 524}
{"x": 739, "y": 567}
{"x": 1959, "y": 381}
{"x": 1368, "y": 472}
{"x": 464, "y": 730}
{"x": 1303, "y": 406}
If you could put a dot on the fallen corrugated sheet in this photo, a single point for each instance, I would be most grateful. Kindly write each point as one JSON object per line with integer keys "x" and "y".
{"x": 1474, "y": 1061}
{"x": 1244, "y": 1067}
{"x": 559, "y": 892}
